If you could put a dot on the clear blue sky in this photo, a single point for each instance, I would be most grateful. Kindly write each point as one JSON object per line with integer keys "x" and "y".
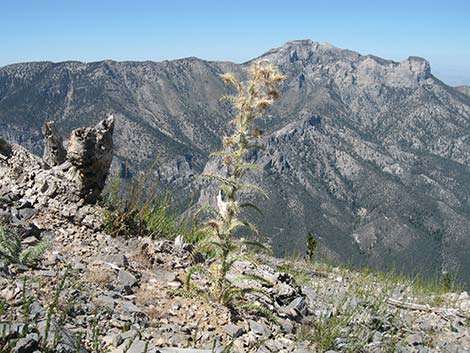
{"x": 234, "y": 30}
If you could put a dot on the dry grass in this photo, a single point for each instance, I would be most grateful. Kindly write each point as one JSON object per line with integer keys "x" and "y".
{"x": 162, "y": 306}
{"x": 100, "y": 275}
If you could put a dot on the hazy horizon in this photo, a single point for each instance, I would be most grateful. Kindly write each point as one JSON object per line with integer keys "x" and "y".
{"x": 87, "y": 31}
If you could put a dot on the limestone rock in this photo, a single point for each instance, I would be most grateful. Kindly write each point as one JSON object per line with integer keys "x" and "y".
{"x": 54, "y": 151}
{"x": 91, "y": 152}
{"x": 5, "y": 148}
{"x": 57, "y": 184}
{"x": 26, "y": 344}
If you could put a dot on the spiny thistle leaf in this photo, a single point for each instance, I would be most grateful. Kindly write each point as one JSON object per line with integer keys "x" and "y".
{"x": 251, "y": 226}
{"x": 254, "y": 244}
{"x": 32, "y": 254}
{"x": 210, "y": 209}
{"x": 247, "y": 166}
{"x": 260, "y": 309}
{"x": 250, "y": 187}
{"x": 253, "y": 277}
{"x": 189, "y": 274}
{"x": 252, "y": 206}
{"x": 228, "y": 181}
{"x": 217, "y": 154}
{"x": 249, "y": 259}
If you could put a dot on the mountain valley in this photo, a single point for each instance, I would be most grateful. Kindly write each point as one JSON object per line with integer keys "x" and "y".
{"x": 370, "y": 155}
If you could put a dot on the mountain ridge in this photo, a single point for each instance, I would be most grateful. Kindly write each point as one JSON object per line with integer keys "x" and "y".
{"x": 301, "y": 42}
{"x": 370, "y": 154}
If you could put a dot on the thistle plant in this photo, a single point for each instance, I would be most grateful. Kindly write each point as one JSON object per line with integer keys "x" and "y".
{"x": 253, "y": 98}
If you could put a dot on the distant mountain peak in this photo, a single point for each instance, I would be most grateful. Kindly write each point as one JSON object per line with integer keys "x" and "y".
{"x": 340, "y": 63}
{"x": 372, "y": 154}
{"x": 305, "y": 46}
{"x": 310, "y": 43}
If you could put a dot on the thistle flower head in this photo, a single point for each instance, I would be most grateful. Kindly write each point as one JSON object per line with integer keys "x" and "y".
{"x": 273, "y": 93}
{"x": 257, "y": 132}
{"x": 276, "y": 77}
{"x": 228, "y": 141}
{"x": 228, "y": 160}
{"x": 263, "y": 103}
{"x": 216, "y": 225}
{"x": 264, "y": 71}
{"x": 229, "y": 78}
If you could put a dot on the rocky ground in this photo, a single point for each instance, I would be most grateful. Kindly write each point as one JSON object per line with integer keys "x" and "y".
{"x": 91, "y": 292}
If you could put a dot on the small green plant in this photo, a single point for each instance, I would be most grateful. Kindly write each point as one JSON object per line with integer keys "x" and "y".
{"x": 27, "y": 300}
{"x": 53, "y": 310}
{"x": 138, "y": 209}
{"x": 58, "y": 310}
{"x": 312, "y": 247}
{"x": 352, "y": 318}
{"x": 253, "y": 98}
{"x": 12, "y": 252}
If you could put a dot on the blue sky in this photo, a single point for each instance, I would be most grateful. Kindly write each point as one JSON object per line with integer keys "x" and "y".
{"x": 234, "y": 30}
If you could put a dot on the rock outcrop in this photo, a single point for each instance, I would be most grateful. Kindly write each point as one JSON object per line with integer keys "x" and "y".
{"x": 54, "y": 151}
{"x": 62, "y": 179}
{"x": 90, "y": 152}
{"x": 5, "y": 149}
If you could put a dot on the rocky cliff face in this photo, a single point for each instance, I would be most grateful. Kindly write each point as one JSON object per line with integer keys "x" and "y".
{"x": 93, "y": 293}
{"x": 386, "y": 142}
{"x": 369, "y": 154}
